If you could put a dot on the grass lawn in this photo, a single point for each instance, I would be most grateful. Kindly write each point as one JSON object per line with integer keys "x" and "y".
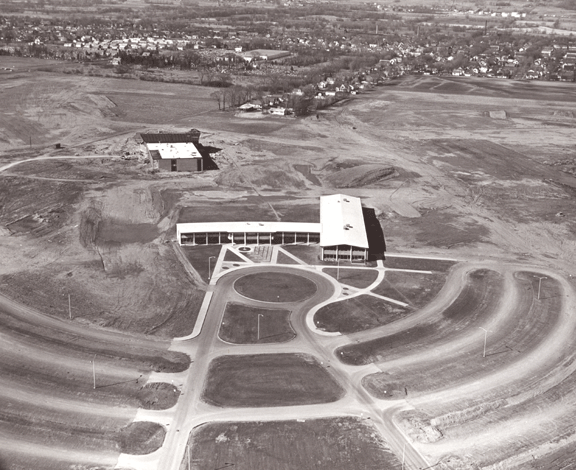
{"x": 358, "y": 314}
{"x": 269, "y": 380}
{"x": 199, "y": 255}
{"x": 419, "y": 264}
{"x": 240, "y": 325}
{"x": 338, "y": 443}
{"x": 310, "y": 254}
{"x": 284, "y": 259}
{"x": 275, "y": 287}
{"x": 142, "y": 437}
{"x": 416, "y": 289}
{"x": 360, "y": 278}
{"x": 233, "y": 257}
{"x": 476, "y": 302}
{"x": 238, "y": 210}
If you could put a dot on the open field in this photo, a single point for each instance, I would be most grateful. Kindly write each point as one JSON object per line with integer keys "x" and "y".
{"x": 269, "y": 380}
{"x": 332, "y": 444}
{"x": 477, "y": 171}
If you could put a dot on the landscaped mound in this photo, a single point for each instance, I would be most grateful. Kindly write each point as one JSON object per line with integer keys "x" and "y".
{"x": 269, "y": 380}
{"x": 142, "y": 437}
{"x": 275, "y": 287}
{"x": 361, "y": 175}
{"x": 158, "y": 396}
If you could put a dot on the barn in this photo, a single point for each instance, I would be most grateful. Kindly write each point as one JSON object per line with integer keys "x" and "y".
{"x": 174, "y": 152}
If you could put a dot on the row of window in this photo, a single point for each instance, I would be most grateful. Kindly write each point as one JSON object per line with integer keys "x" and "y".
{"x": 278, "y": 238}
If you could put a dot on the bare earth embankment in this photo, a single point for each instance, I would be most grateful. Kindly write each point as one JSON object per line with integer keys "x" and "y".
{"x": 481, "y": 172}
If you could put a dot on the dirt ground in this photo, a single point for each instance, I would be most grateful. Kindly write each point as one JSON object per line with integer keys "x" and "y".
{"x": 331, "y": 444}
{"x": 462, "y": 169}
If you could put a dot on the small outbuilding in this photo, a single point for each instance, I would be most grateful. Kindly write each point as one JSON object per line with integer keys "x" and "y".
{"x": 174, "y": 152}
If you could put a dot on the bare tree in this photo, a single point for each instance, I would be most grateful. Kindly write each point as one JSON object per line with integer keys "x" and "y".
{"x": 217, "y": 95}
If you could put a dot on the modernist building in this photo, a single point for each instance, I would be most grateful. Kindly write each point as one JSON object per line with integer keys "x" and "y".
{"x": 248, "y": 233}
{"x": 174, "y": 152}
{"x": 341, "y": 232}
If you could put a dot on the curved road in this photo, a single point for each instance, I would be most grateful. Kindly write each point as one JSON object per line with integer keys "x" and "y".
{"x": 191, "y": 411}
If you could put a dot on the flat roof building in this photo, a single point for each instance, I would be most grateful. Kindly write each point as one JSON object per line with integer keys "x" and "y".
{"x": 341, "y": 232}
{"x": 174, "y": 152}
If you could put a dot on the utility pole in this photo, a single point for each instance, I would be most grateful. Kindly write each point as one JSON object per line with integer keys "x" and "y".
{"x": 338, "y": 269}
{"x": 209, "y": 266}
{"x": 540, "y": 284}
{"x": 69, "y": 308}
{"x": 485, "y": 335}
{"x": 94, "y": 371}
{"x": 259, "y": 315}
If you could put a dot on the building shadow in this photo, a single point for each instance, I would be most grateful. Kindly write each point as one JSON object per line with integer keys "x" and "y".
{"x": 375, "y": 234}
{"x": 208, "y": 162}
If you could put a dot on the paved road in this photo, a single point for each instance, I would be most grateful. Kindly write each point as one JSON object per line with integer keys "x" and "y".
{"x": 191, "y": 411}
{"x": 54, "y": 157}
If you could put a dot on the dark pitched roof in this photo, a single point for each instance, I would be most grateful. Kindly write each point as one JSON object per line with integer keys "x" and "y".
{"x": 170, "y": 138}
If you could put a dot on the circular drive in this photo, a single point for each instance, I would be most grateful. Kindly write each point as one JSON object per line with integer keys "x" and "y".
{"x": 275, "y": 287}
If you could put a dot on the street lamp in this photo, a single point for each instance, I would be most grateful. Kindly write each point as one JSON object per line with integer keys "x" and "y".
{"x": 209, "y": 265}
{"x": 94, "y": 371}
{"x": 540, "y": 284}
{"x": 485, "y": 335}
{"x": 258, "y": 337}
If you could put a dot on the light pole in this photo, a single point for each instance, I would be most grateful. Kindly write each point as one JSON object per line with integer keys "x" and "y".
{"x": 258, "y": 337}
{"x": 540, "y": 284}
{"x": 209, "y": 266}
{"x": 485, "y": 335}
{"x": 338, "y": 268}
{"x": 94, "y": 371}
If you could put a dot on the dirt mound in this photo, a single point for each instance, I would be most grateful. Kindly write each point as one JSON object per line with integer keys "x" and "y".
{"x": 275, "y": 177}
{"x": 500, "y": 114}
{"x": 564, "y": 113}
{"x": 361, "y": 175}
{"x": 158, "y": 396}
{"x": 343, "y": 164}
{"x": 141, "y": 438}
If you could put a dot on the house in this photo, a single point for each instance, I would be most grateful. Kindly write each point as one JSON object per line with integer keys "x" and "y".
{"x": 278, "y": 111}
